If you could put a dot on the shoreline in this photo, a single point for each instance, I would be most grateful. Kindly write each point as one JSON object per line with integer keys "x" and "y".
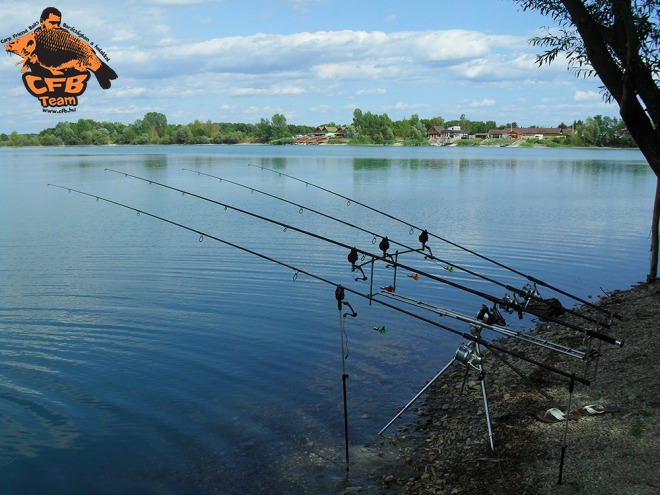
{"x": 392, "y": 145}
{"x": 447, "y": 449}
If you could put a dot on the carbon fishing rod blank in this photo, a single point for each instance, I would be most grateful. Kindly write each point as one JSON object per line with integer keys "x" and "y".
{"x": 475, "y": 322}
{"x": 413, "y": 227}
{"x": 386, "y": 257}
{"x": 297, "y": 270}
{"x": 340, "y": 292}
{"x": 423, "y": 238}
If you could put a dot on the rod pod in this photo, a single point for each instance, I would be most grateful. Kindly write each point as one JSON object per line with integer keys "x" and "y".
{"x": 296, "y": 270}
{"x": 468, "y": 356}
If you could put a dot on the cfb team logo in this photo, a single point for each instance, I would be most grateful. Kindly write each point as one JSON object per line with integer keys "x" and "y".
{"x": 57, "y": 64}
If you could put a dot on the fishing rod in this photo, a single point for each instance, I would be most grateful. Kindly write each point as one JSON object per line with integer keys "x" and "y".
{"x": 484, "y": 320}
{"x": 526, "y": 293}
{"x": 469, "y": 355}
{"x": 298, "y": 270}
{"x": 438, "y": 310}
{"x": 413, "y": 227}
{"x": 384, "y": 245}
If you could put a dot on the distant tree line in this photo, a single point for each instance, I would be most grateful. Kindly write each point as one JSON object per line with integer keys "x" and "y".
{"x": 366, "y": 128}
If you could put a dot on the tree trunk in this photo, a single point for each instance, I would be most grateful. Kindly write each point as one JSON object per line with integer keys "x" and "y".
{"x": 623, "y": 84}
{"x": 620, "y": 84}
{"x": 655, "y": 232}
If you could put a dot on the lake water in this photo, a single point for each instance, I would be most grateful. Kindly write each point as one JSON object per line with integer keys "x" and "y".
{"x": 136, "y": 359}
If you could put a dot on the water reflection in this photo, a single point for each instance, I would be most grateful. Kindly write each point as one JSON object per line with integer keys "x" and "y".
{"x": 139, "y": 354}
{"x": 599, "y": 167}
{"x": 277, "y": 163}
{"x": 31, "y": 423}
{"x": 371, "y": 163}
{"x": 155, "y": 161}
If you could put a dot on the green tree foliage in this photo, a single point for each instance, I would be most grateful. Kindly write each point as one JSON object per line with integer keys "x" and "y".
{"x": 367, "y": 128}
{"x": 434, "y": 121}
{"x": 154, "y": 124}
{"x": 371, "y": 128}
{"x": 619, "y": 42}
{"x": 280, "y": 128}
{"x": 605, "y": 132}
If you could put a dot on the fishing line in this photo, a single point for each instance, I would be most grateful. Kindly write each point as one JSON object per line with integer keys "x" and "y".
{"x": 414, "y": 227}
{"x": 508, "y": 302}
{"x": 295, "y": 269}
{"x": 423, "y": 238}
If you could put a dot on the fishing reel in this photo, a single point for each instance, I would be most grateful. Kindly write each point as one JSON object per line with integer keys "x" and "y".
{"x": 531, "y": 292}
{"x": 468, "y": 355}
{"x": 490, "y": 316}
{"x": 511, "y": 305}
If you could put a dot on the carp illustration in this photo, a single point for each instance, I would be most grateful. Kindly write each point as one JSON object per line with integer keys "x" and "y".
{"x": 59, "y": 52}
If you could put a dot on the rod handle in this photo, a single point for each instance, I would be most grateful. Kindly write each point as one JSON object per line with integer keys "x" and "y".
{"x": 605, "y": 338}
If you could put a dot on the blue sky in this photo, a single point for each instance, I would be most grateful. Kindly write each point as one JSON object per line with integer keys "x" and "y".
{"x": 314, "y": 61}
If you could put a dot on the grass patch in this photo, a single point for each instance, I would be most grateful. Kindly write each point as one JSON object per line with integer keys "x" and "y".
{"x": 282, "y": 141}
{"x": 637, "y": 428}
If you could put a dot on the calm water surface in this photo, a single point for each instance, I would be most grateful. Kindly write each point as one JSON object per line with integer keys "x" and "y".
{"x": 136, "y": 359}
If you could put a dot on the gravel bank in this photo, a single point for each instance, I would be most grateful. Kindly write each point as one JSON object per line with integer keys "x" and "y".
{"x": 447, "y": 451}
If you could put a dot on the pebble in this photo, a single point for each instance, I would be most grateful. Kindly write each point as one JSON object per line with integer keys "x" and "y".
{"x": 459, "y": 437}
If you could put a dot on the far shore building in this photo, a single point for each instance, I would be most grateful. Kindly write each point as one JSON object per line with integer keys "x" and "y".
{"x": 539, "y": 133}
{"x": 330, "y": 131}
{"x": 445, "y": 135}
{"x": 321, "y": 135}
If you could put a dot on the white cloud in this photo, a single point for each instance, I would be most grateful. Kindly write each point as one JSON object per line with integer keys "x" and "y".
{"x": 273, "y": 91}
{"x": 321, "y": 108}
{"x": 356, "y": 71}
{"x": 129, "y": 92}
{"x": 178, "y": 2}
{"x": 586, "y": 96}
{"x": 372, "y": 91}
{"x": 192, "y": 66}
{"x": 497, "y": 68}
{"x": 328, "y": 54}
{"x": 486, "y": 102}
{"x": 400, "y": 105}
{"x": 303, "y": 5}
{"x": 124, "y": 35}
